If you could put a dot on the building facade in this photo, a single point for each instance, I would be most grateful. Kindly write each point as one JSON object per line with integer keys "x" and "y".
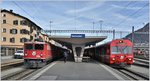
{"x": 15, "y": 30}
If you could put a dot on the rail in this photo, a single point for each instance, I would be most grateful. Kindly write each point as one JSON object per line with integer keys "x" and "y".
{"x": 135, "y": 75}
{"x": 142, "y": 60}
{"x": 18, "y": 75}
{"x": 11, "y": 64}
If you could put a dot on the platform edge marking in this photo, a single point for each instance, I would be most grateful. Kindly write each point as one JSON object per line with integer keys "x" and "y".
{"x": 41, "y": 72}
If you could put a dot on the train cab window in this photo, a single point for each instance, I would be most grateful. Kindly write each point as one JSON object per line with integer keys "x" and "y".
{"x": 126, "y": 50}
{"x": 29, "y": 46}
{"x": 116, "y": 50}
{"x": 39, "y": 46}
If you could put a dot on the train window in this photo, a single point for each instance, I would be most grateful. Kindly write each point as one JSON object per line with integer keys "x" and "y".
{"x": 126, "y": 50}
{"x": 39, "y": 46}
{"x": 29, "y": 46}
{"x": 116, "y": 50}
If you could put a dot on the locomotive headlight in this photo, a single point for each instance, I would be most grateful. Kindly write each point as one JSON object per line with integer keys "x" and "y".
{"x": 26, "y": 54}
{"x": 113, "y": 58}
{"x": 41, "y": 54}
{"x": 129, "y": 58}
{"x": 34, "y": 53}
{"x": 120, "y": 41}
{"x": 121, "y": 57}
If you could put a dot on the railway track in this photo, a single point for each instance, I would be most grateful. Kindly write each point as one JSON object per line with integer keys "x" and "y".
{"x": 141, "y": 62}
{"x": 12, "y": 64}
{"x": 134, "y": 75}
{"x": 18, "y": 75}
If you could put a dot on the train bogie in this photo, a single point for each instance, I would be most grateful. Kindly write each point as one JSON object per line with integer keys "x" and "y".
{"x": 32, "y": 63}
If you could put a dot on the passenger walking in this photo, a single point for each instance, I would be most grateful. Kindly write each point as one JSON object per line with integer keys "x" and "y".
{"x": 65, "y": 56}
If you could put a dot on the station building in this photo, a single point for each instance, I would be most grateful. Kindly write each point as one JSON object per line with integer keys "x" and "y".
{"x": 15, "y": 30}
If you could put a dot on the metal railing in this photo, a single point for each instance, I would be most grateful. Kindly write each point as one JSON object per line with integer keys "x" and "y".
{"x": 91, "y": 31}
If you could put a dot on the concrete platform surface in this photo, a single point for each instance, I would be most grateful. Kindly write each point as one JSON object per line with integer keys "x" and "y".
{"x": 10, "y": 60}
{"x": 76, "y": 71}
{"x": 6, "y": 57}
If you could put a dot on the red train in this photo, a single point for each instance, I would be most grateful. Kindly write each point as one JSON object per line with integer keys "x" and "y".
{"x": 38, "y": 54}
{"x": 117, "y": 52}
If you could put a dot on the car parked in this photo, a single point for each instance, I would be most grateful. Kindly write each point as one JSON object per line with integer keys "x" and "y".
{"x": 19, "y": 54}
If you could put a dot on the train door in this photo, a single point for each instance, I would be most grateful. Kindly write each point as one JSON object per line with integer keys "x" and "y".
{"x": 48, "y": 50}
{"x": 107, "y": 56}
{"x": 103, "y": 54}
{"x": 97, "y": 53}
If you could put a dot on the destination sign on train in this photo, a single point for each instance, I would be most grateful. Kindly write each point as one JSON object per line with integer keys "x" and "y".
{"x": 77, "y": 35}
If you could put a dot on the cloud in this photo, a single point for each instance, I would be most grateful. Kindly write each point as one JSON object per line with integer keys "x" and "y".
{"x": 87, "y": 7}
{"x": 124, "y": 7}
{"x": 120, "y": 16}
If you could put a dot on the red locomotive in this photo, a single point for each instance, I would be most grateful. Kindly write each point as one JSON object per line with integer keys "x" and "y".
{"x": 38, "y": 54}
{"x": 117, "y": 52}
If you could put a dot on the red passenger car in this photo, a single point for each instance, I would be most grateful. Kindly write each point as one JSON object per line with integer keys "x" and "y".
{"x": 37, "y": 54}
{"x": 117, "y": 52}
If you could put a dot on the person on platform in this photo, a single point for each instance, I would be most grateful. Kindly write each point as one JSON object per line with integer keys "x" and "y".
{"x": 65, "y": 56}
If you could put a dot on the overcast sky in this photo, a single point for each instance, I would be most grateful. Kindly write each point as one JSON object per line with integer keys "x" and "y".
{"x": 118, "y": 15}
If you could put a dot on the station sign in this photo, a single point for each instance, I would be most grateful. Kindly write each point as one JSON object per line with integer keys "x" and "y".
{"x": 77, "y": 35}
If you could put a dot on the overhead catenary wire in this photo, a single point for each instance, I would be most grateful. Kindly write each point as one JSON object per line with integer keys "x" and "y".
{"x": 37, "y": 10}
{"x": 24, "y": 11}
{"x": 132, "y": 14}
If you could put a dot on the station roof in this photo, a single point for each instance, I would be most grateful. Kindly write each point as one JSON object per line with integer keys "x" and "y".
{"x": 68, "y": 41}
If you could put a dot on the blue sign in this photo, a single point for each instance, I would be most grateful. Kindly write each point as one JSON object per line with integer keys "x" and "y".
{"x": 77, "y": 35}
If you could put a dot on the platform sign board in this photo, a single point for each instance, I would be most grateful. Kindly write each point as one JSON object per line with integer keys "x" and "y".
{"x": 77, "y": 35}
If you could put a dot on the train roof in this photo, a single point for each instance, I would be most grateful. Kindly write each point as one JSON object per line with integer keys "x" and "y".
{"x": 104, "y": 43}
{"x": 37, "y": 42}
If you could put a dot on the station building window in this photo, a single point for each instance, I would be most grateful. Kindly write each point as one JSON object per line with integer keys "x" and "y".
{"x": 31, "y": 29}
{"x": 24, "y": 31}
{"x": 13, "y": 31}
{"x": 4, "y": 15}
{"x": 12, "y": 40}
{"x": 35, "y": 35}
{"x": 30, "y": 24}
{"x": 23, "y": 22}
{"x": 3, "y": 39}
{"x": 4, "y": 21}
{"x": 34, "y": 28}
{"x": 23, "y": 40}
{"x": 31, "y": 38}
{"x": 4, "y": 30}
{"x": 15, "y": 22}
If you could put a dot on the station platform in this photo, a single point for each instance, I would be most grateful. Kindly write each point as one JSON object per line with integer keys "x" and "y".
{"x": 8, "y": 59}
{"x": 76, "y": 71}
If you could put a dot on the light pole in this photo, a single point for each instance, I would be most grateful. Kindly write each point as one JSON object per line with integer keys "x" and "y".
{"x": 93, "y": 26}
{"x": 100, "y": 24}
{"x": 133, "y": 35}
{"x": 113, "y": 34}
{"x": 50, "y": 27}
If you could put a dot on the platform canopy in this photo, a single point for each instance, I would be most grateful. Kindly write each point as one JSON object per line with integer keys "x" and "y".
{"x": 70, "y": 40}
{"x": 77, "y": 43}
